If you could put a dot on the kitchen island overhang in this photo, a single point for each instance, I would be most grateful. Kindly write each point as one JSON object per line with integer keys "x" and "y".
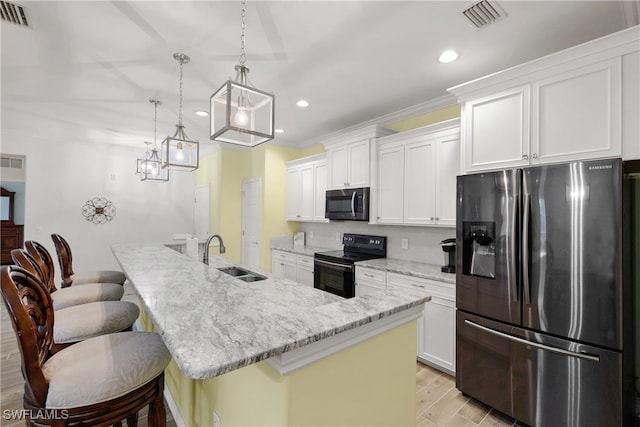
{"x": 214, "y": 324}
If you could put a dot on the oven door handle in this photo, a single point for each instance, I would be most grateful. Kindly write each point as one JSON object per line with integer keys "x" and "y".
{"x": 334, "y": 264}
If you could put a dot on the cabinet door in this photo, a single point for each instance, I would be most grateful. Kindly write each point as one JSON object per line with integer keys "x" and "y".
{"x": 419, "y": 183}
{"x": 447, "y": 169}
{"x": 437, "y": 344}
{"x": 320, "y": 191}
{"x": 307, "y": 193}
{"x": 359, "y": 162}
{"x": 576, "y": 114}
{"x": 338, "y": 161}
{"x": 305, "y": 275}
{"x": 390, "y": 185}
{"x": 294, "y": 193}
{"x": 497, "y": 130}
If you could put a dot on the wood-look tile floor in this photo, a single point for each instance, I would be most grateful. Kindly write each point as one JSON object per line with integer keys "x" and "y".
{"x": 438, "y": 402}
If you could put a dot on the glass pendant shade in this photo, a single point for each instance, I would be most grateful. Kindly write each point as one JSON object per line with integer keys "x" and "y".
{"x": 179, "y": 152}
{"x": 241, "y": 114}
{"x": 151, "y": 168}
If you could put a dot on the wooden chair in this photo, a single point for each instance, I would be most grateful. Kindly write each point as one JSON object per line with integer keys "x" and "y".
{"x": 66, "y": 268}
{"x": 67, "y": 297}
{"x": 83, "y": 321}
{"x": 98, "y": 382}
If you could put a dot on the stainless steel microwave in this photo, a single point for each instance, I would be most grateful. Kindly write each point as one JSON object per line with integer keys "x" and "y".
{"x": 348, "y": 204}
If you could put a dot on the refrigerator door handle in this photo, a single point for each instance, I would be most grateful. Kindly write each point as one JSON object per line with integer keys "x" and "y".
{"x": 514, "y": 260}
{"x": 526, "y": 286}
{"x": 586, "y": 356}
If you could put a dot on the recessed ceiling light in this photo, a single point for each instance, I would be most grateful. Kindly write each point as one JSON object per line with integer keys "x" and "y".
{"x": 279, "y": 130}
{"x": 448, "y": 56}
{"x": 202, "y": 113}
{"x": 302, "y": 103}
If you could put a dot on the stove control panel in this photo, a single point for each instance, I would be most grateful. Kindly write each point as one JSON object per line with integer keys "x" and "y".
{"x": 363, "y": 241}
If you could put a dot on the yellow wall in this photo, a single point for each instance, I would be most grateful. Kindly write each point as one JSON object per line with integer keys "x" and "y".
{"x": 371, "y": 383}
{"x": 225, "y": 170}
{"x": 426, "y": 119}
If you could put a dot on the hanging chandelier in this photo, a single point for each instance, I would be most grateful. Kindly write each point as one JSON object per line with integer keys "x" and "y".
{"x": 150, "y": 168}
{"x": 240, "y": 113}
{"x": 178, "y": 151}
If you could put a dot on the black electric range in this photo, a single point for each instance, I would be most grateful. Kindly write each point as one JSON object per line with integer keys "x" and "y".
{"x": 334, "y": 271}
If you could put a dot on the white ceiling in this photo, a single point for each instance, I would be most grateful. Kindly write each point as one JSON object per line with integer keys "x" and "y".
{"x": 87, "y": 69}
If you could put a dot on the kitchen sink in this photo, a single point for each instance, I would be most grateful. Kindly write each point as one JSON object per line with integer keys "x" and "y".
{"x": 252, "y": 278}
{"x": 242, "y": 274}
{"x": 234, "y": 271}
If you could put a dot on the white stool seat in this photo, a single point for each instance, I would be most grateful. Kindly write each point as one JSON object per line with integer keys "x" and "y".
{"x": 84, "y": 321}
{"x": 101, "y": 276}
{"x": 92, "y": 292}
{"x": 103, "y": 368}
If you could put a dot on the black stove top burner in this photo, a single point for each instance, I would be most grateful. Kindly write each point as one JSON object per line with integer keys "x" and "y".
{"x": 357, "y": 247}
{"x": 347, "y": 256}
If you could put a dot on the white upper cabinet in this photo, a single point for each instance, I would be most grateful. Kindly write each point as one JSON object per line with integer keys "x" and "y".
{"x": 307, "y": 184}
{"x": 349, "y": 157}
{"x": 349, "y": 165}
{"x": 498, "y": 127}
{"x": 576, "y": 104}
{"x": 416, "y": 175}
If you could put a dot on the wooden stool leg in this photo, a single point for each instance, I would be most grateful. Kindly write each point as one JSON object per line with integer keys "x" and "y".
{"x": 132, "y": 420}
{"x": 117, "y": 424}
{"x": 157, "y": 413}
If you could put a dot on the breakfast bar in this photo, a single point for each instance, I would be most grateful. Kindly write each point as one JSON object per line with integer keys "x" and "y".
{"x": 270, "y": 351}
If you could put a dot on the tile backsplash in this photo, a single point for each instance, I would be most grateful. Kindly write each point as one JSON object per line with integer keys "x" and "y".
{"x": 423, "y": 242}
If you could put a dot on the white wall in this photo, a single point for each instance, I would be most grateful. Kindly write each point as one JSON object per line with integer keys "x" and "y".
{"x": 424, "y": 242}
{"x": 62, "y": 175}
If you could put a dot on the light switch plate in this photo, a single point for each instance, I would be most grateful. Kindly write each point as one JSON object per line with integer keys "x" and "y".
{"x": 405, "y": 243}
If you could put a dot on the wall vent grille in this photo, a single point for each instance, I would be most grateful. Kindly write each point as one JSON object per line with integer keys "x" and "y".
{"x": 16, "y": 14}
{"x": 11, "y": 162}
{"x": 484, "y": 12}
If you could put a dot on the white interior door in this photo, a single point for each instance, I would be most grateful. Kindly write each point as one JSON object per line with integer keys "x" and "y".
{"x": 251, "y": 216}
{"x": 201, "y": 211}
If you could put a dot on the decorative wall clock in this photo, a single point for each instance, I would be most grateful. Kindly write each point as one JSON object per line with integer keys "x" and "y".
{"x": 99, "y": 210}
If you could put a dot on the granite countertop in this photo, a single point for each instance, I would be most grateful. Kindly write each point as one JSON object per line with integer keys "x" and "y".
{"x": 300, "y": 250}
{"x": 213, "y": 323}
{"x": 409, "y": 268}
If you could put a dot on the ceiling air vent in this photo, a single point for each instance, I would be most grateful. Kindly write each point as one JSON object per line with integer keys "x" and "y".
{"x": 14, "y": 13}
{"x": 483, "y": 13}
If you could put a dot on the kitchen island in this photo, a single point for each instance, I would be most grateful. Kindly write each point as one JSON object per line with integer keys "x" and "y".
{"x": 274, "y": 352}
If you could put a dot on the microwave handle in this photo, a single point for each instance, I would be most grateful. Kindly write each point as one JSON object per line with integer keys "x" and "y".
{"x": 353, "y": 203}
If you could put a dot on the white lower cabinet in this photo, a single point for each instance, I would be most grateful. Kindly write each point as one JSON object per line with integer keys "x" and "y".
{"x": 304, "y": 270}
{"x": 369, "y": 281}
{"x": 437, "y": 327}
{"x": 287, "y": 265}
{"x": 283, "y": 265}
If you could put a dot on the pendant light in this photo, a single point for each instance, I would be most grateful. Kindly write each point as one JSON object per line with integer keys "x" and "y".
{"x": 241, "y": 114}
{"x": 151, "y": 168}
{"x": 178, "y": 151}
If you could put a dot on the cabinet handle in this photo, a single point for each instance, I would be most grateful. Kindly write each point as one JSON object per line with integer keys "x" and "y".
{"x": 282, "y": 264}
{"x": 368, "y": 275}
{"x": 437, "y": 219}
{"x": 297, "y": 216}
{"x": 525, "y": 157}
{"x": 346, "y": 184}
{"x": 535, "y": 155}
{"x": 431, "y": 218}
{"x": 418, "y": 286}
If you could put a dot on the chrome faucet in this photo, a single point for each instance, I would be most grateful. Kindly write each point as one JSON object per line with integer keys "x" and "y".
{"x": 205, "y": 257}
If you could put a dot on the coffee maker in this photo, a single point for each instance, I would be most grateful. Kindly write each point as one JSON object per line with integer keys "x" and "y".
{"x": 449, "y": 248}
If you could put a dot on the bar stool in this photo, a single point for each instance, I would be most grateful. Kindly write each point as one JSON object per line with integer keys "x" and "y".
{"x": 65, "y": 260}
{"x": 81, "y": 322}
{"x": 66, "y": 297}
{"x": 100, "y": 381}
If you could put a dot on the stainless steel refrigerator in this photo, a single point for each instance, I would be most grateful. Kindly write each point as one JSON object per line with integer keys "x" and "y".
{"x": 541, "y": 312}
